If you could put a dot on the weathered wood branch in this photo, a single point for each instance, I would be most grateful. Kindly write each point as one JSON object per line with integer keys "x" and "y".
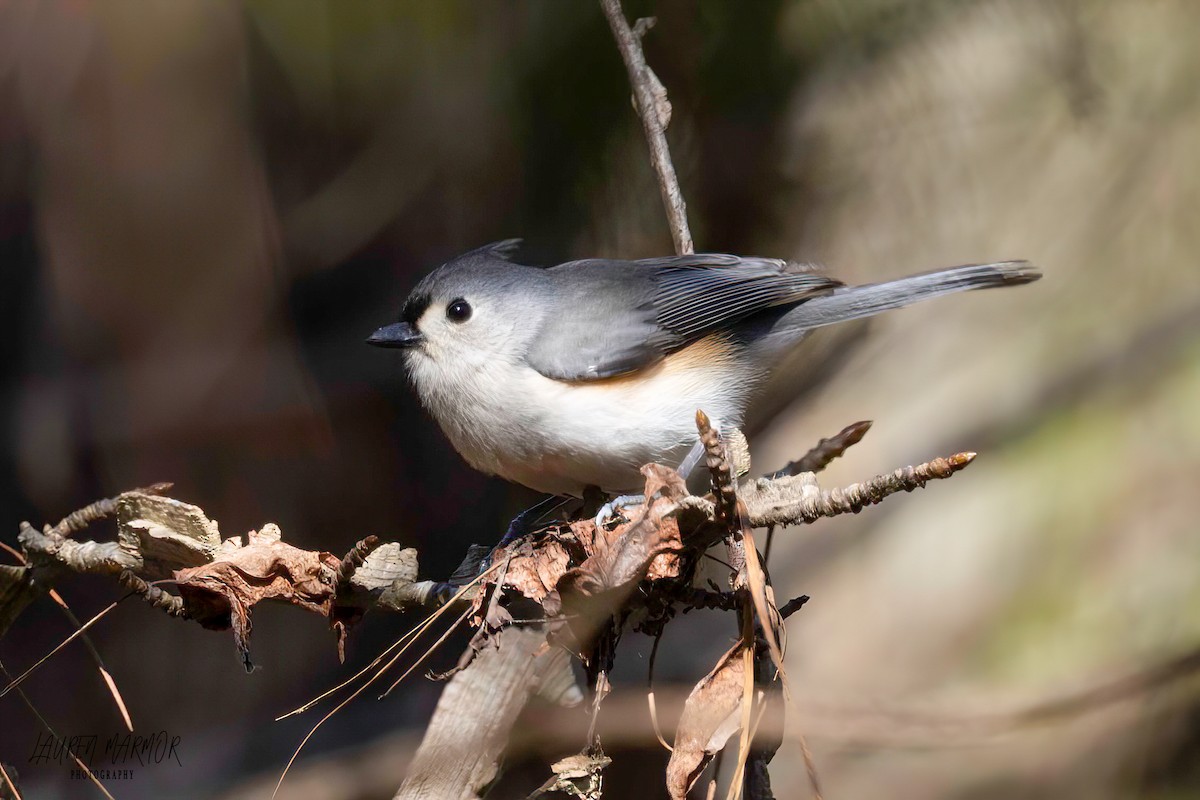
{"x": 460, "y": 752}
{"x": 218, "y": 580}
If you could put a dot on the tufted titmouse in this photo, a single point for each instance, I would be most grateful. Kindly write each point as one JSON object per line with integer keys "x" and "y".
{"x": 573, "y": 376}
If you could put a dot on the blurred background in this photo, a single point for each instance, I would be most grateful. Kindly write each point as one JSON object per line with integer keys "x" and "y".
{"x": 206, "y": 207}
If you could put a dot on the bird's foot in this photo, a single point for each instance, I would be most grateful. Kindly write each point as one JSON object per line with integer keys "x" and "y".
{"x": 609, "y": 509}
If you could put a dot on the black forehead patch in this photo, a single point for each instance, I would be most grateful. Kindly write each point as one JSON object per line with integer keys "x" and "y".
{"x": 416, "y": 305}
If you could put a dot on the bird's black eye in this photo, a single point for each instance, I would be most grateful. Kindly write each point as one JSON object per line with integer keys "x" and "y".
{"x": 458, "y": 311}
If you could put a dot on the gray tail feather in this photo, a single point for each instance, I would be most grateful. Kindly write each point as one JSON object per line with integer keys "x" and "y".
{"x": 855, "y": 302}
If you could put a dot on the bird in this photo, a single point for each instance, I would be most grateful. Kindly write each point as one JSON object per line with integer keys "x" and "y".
{"x": 570, "y": 378}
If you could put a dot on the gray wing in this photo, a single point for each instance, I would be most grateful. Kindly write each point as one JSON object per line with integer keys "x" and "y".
{"x": 620, "y": 316}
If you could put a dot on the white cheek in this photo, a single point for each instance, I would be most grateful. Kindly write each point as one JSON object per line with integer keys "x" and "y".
{"x": 449, "y": 360}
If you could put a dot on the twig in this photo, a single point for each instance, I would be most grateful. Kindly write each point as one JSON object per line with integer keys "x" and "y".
{"x": 45, "y": 547}
{"x": 353, "y": 560}
{"x": 826, "y": 450}
{"x": 792, "y": 606}
{"x": 153, "y": 595}
{"x": 101, "y": 509}
{"x": 650, "y": 99}
{"x": 810, "y": 767}
{"x": 723, "y": 481}
{"x": 787, "y": 501}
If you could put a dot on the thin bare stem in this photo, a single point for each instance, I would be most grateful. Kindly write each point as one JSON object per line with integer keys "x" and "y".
{"x": 75, "y": 635}
{"x": 650, "y": 99}
{"x": 826, "y": 450}
{"x": 154, "y": 595}
{"x": 83, "y": 768}
{"x": 354, "y": 560}
{"x": 101, "y": 509}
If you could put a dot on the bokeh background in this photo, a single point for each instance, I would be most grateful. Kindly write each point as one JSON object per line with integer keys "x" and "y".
{"x": 205, "y": 208}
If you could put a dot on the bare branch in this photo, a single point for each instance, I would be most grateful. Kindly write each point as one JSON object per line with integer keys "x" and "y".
{"x": 219, "y": 580}
{"x": 101, "y": 509}
{"x": 796, "y": 499}
{"x": 153, "y": 595}
{"x": 650, "y": 99}
{"x": 826, "y": 450}
{"x": 353, "y": 560}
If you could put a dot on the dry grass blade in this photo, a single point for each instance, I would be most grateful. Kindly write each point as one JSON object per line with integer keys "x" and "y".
{"x": 650, "y": 696}
{"x": 79, "y": 763}
{"x": 287, "y": 767}
{"x": 104, "y": 673}
{"x": 116, "y": 696}
{"x": 654, "y": 723}
{"x": 403, "y": 641}
{"x": 744, "y": 755}
{"x": 735, "y": 785}
{"x": 8, "y": 781}
{"x": 14, "y": 553}
{"x": 374, "y": 663}
{"x": 411, "y": 636}
{"x": 78, "y": 633}
{"x": 810, "y": 766}
{"x": 432, "y": 648}
{"x": 769, "y": 619}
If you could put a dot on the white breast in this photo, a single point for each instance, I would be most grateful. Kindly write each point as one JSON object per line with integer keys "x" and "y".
{"x": 559, "y": 437}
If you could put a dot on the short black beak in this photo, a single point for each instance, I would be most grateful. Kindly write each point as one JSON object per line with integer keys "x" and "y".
{"x": 400, "y": 334}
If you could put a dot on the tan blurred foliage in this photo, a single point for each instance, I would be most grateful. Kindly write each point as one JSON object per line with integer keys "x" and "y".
{"x": 1065, "y": 133}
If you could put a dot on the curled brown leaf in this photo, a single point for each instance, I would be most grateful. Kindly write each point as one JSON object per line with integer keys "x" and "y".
{"x": 221, "y": 593}
{"x": 711, "y": 715}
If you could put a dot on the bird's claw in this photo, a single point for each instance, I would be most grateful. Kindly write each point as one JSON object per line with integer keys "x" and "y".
{"x": 609, "y": 509}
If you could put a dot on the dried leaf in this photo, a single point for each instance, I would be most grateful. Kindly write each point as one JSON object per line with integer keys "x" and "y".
{"x": 623, "y": 555}
{"x": 666, "y": 563}
{"x": 220, "y": 594}
{"x": 578, "y": 776}
{"x": 622, "y": 558}
{"x": 711, "y": 715}
{"x": 584, "y": 532}
{"x": 535, "y": 573}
